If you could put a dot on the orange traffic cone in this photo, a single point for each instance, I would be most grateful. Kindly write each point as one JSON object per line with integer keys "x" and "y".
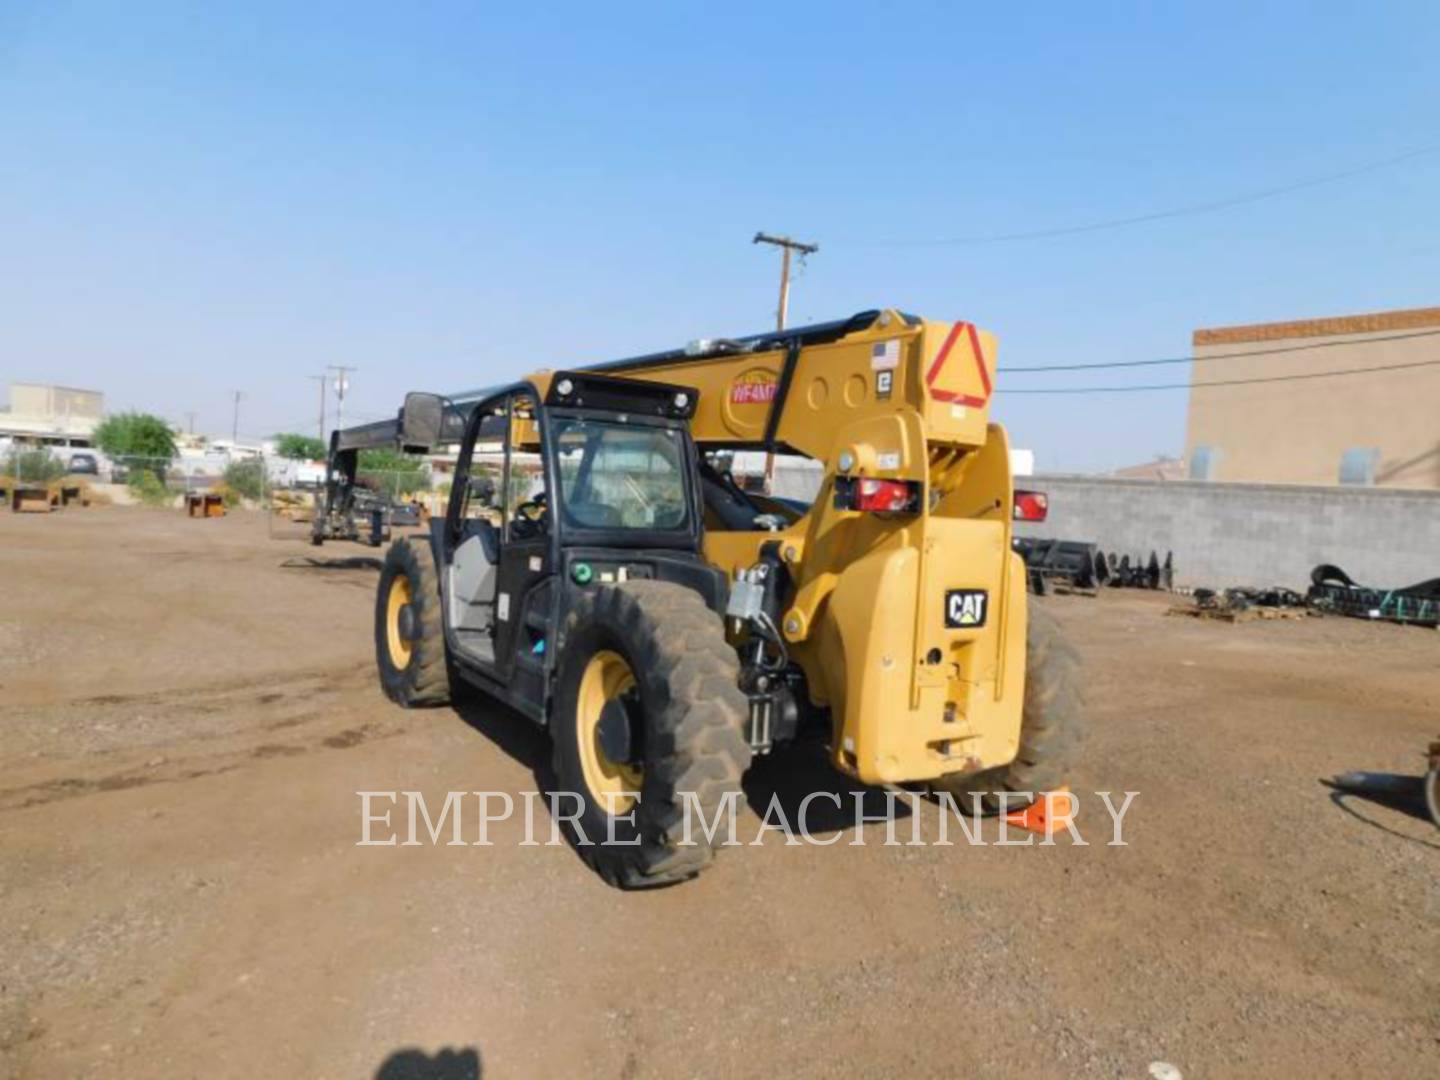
{"x": 1051, "y": 810}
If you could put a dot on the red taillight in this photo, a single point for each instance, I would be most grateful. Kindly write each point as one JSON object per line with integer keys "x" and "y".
{"x": 882, "y": 495}
{"x": 1031, "y": 505}
{"x": 878, "y": 496}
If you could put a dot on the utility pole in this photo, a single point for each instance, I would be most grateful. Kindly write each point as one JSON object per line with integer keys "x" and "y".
{"x": 341, "y": 385}
{"x": 190, "y": 416}
{"x": 786, "y": 246}
{"x": 235, "y": 425}
{"x": 321, "y": 379}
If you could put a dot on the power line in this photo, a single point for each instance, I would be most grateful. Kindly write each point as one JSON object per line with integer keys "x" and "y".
{"x": 1206, "y": 207}
{"x": 1006, "y": 370}
{"x": 1223, "y": 382}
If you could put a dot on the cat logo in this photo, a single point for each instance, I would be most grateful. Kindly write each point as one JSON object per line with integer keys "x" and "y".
{"x": 966, "y": 607}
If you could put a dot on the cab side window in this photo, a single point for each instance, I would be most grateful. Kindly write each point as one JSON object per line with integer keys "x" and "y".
{"x": 527, "y": 504}
{"x": 487, "y": 462}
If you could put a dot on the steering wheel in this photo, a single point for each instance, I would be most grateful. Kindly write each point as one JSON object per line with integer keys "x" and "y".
{"x": 529, "y": 519}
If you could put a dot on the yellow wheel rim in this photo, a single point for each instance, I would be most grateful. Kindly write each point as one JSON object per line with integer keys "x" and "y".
{"x": 606, "y": 677}
{"x": 399, "y": 645}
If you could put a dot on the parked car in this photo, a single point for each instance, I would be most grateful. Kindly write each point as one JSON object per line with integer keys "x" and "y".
{"x": 83, "y": 465}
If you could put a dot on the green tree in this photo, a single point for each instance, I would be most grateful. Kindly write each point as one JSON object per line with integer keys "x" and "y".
{"x": 134, "y": 435}
{"x": 299, "y": 447}
{"x": 392, "y": 472}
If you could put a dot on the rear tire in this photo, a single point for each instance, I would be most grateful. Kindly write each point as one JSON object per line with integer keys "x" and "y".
{"x": 1050, "y": 725}
{"x": 690, "y": 714}
{"x": 412, "y": 669}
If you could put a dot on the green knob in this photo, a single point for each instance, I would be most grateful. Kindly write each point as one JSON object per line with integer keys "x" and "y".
{"x": 582, "y": 572}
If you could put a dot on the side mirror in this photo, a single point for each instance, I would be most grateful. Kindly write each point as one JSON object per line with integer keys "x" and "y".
{"x": 421, "y": 421}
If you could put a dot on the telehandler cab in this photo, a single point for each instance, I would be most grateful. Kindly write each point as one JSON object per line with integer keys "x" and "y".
{"x": 601, "y": 572}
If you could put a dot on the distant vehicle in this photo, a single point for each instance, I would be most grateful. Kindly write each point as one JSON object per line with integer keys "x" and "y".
{"x": 83, "y": 465}
{"x": 310, "y": 473}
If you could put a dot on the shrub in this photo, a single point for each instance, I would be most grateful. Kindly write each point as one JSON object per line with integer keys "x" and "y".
{"x": 149, "y": 488}
{"x": 228, "y": 495}
{"x": 33, "y": 466}
{"x": 246, "y": 479}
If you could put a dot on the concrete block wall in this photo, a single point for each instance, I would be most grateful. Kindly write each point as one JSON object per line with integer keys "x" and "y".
{"x": 1250, "y": 534}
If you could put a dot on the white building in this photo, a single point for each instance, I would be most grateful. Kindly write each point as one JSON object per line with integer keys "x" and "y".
{"x": 51, "y": 415}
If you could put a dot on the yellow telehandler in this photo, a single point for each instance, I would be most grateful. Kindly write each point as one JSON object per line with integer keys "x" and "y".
{"x": 600, "y": 570}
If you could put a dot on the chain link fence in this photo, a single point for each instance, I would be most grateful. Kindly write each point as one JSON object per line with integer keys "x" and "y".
{"x": 287, "y": 491}
{"x": 29, "y": 473}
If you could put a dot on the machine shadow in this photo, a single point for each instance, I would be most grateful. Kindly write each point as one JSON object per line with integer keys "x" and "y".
{"x": 790, "y": 775}
{"x": 1399, "y": 801}
{"x": 353, "y": 562}
{"x": 1394, "y": 791}
{"x": 514, "y": 734}
{"x": 446, "y": 1064}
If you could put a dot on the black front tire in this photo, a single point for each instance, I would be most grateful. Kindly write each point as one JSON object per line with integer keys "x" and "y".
{"x": 691, "y": 746}
{"x": 422, "y": 677}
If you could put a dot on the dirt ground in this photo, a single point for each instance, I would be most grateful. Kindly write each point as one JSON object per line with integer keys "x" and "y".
{"x": 186, "y": 721}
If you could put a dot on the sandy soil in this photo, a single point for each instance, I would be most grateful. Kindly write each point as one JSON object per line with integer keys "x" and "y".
{"x": 186, "y": 721}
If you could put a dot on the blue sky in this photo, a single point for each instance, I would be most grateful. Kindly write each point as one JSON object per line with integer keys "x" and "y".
{"x": 198, "y": 198}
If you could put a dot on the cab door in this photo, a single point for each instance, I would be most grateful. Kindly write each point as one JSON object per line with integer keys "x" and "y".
{"x": 524, "y": 597}
{"x": 472, "y": 534}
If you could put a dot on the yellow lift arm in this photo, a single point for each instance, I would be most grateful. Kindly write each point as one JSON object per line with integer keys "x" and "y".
{"x": 910, "y": 625}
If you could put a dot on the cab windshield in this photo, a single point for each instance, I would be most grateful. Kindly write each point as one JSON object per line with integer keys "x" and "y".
{"x": 620, "y": 476}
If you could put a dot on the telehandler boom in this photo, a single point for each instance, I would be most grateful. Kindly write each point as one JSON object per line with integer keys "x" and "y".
{"x": 608, "y": 578}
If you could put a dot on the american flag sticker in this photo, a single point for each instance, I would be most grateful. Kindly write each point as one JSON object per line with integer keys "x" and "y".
{"x": 885, "y": 355}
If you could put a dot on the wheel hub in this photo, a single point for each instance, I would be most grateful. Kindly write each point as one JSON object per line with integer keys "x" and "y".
{"x": 407, "y": 622}
{"x": 613, "y": 730}
{"x": 397, "y": 638}
{"x": 608, "y": 724}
